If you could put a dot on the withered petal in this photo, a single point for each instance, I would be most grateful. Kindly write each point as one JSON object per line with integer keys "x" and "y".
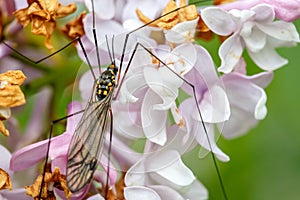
{"x": 14, "y": 77}
{"x": 63, "y": 11}
{"x": 3, "y": 130}
{"x": 5, "y": 181}
{"x": 22, "y": 17}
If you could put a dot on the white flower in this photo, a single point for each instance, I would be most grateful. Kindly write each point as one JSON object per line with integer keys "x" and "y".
{"x": 162, "y": 175}
{"x": 254, "y": 29}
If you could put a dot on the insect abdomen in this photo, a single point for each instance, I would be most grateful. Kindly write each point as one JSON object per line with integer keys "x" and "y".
{"x": 106, "y": 82}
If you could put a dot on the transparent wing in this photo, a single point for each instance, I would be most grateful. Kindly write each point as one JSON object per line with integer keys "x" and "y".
{"x": 87, "y": 143}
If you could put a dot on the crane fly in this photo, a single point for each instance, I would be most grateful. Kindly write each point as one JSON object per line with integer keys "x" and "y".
{"x": 87, "y": 143}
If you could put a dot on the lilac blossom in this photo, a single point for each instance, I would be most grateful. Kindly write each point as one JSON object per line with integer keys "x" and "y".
{"x": 162, "y": 175}
{"x": 157, "y": 88}
{"x": 254, "y": 29}
{"x": 287, "y": 11}
{"x": 247, "y": 100}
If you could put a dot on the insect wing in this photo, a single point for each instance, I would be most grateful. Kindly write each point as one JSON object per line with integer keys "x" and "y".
{"x": 87, "y": 143}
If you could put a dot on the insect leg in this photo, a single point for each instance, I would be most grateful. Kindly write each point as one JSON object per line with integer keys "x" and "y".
{"x": 49, "y": 142}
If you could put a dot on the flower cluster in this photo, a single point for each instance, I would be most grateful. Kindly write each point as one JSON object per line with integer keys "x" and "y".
{"x": 170, "y": 96}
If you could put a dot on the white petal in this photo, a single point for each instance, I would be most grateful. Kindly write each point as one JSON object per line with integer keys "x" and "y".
{"x": 182, "y": 32}
{"x": 268, "y": 59}
{"x": 153, "y": 121}
{"x": 256, "y": 40}
{"x": 139, "y": 192}
{"x": 209, "y": 143}
{"x": 230, "y": 53}
{"x": 214, "y": 106}
{"x": 103, "y": 9}
{"x": 166, "y": 193}
{"x": 129, "y": 86}
{"x": 218, "y": 20}
{"x": 111, "y": 27}
{"x": 264, "y": 13}
{"x": 281, "y": 30}
{"x": 164, "y": 83}
{"x": 5, "y": 158}
{"x": 196, "y": 192}
{"x": 96, "y": 197}
{"x": 136, "y": 174}
{"x": 168, "y": 169}
{"x": 260, "y": 108}
{"x": 184, "y": 58}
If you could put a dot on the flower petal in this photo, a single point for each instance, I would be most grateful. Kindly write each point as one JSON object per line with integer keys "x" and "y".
{"x": 264, "y": 13}
{"x": 182, "y": 32}
{"x": 280, "y": 30}
{"x": 166, "y": 192}
{"x": 214, "y": 106}
{"x": 5, "y": 158}
{"x": 139, "y": 192}
{"x": 28, "y": 156}
{"x": 167, "y": 168}
{"x": 218, "y": 20}
{"x": 103, "y": 9}
{"x": 256, "y": 40}
{"x": 96, "y": 197}
{"x": 268, "y": 59}
{"x": 247, "y": 102}
{"x": 196, "y": 191}
{"x": 153, "y": 121}
{"x": 230, "y": 52}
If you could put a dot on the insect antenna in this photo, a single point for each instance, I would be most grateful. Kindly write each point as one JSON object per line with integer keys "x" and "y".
{"x": 109, "y": 52}
{"x": 95, "y": 36}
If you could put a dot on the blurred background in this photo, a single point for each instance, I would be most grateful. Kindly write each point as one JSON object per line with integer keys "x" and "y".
{"x": 265, "y": 163}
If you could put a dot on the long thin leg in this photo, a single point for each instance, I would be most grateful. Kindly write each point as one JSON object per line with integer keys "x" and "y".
{"x": 52, "y": 54}
{"x": 195, "y": 98}
{"x": 109, "y": 153}
{"x": 49, "y": 141}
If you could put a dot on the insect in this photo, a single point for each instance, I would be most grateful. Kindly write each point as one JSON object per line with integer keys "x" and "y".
{"x": 87, "y": 143}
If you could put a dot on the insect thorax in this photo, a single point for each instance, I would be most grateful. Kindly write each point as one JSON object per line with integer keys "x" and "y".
{"x": 106, "y": 82}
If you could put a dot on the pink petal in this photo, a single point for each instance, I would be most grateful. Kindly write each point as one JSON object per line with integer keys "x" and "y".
{"x": 28, "y": 156}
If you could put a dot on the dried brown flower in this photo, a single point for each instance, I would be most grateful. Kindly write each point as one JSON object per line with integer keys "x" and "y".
{"x": 10, "y": 95}
{"x": 74, "y": 28}
{"x": 42, "y": 15}
{"x": 5, "y": 182}
{"x": 170, "y": 20}
{"x": 54, "y": 179}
